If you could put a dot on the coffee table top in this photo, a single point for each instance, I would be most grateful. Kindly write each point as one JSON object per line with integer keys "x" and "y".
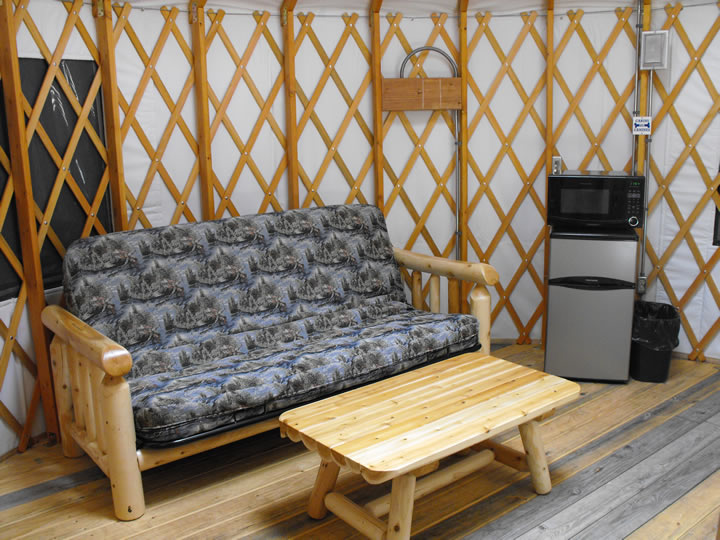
{"x": 399, "y": 424}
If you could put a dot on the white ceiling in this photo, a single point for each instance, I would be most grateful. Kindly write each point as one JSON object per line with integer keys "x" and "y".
{"x": 415, "y": 8}
{"x": 407, "y": 7}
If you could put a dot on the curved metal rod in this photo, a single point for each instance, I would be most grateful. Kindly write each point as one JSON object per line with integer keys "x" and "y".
{"x": 428, "y": 48}
{"x": 457, "y": 137}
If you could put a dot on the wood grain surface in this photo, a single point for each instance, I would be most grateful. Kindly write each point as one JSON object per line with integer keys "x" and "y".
{"x": 399, "y": 424}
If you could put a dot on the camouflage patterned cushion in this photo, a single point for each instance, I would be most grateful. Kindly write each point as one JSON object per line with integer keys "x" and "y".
{"x": 231, "y": 320}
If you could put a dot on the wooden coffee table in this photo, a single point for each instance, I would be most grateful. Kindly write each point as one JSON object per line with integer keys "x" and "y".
{"x": 399, "y": 428}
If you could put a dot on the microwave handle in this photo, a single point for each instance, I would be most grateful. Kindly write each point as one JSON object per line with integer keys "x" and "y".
{"x": 559, "y": 219}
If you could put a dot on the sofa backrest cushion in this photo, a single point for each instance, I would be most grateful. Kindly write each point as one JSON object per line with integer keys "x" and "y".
{"x": 156, "y": 289}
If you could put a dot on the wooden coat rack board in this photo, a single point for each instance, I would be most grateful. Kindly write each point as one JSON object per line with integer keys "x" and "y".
{"x": 422, "y": 94}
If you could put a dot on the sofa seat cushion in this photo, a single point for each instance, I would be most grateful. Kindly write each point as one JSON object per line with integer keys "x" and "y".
{"x": 230, "y": 378}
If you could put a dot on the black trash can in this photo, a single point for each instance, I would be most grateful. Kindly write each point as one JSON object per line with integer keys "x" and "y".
{"x": 654, "y": 336}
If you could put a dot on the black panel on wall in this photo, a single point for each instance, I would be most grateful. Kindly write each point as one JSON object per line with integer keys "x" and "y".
{"x": 58, "y": 119}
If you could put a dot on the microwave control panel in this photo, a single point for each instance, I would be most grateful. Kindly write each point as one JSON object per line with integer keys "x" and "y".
{"x": 634, "y": 209}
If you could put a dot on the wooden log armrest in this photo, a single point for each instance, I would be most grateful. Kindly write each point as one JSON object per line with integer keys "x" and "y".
{"x": 480, "y": 273}
{"x": 102, "y": 351}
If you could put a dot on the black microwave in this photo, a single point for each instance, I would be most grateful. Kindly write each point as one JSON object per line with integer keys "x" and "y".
{"x": 596, "y": 199}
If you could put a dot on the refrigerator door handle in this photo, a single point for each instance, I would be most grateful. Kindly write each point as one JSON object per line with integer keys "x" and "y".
{"x": 591, "y": 283}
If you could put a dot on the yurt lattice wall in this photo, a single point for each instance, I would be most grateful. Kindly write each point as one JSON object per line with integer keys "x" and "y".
{"x": 216, "y": 113}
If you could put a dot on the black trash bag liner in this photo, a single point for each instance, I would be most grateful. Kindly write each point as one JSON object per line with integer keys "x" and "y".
{"x": 656, "y": 325}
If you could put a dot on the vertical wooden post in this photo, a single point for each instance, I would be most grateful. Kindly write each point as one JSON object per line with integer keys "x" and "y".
{"x": 291, "y": 142}
{"x": 202, "y": 111}
{"x": 463, "y": 148}
{"x": 25, "y": 205}
{"x": 642, "y": 139}
{"x": 102, "y": 11}
{"x": 549, "y": 143}
{"x": 376, "y": 75}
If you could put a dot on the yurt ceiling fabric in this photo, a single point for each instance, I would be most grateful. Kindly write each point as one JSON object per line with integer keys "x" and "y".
{"x": 506, "y": 115}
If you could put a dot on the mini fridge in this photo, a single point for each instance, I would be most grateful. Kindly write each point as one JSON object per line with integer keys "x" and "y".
{"x": 591, "y": 292}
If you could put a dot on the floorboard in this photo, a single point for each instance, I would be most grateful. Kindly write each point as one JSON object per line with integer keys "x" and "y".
{"x": 679, "y": 518}
{"x": 637, "y": 459}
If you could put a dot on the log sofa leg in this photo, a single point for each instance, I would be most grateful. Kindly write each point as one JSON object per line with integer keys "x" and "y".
{"x": 63, "y": 398}
{"x": 324, "y": 484}
{"x": 537, "y": 463}
{"x": 123, "y": 467}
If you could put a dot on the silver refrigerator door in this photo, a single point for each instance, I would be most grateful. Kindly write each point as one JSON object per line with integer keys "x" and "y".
{"x": 589, "y": 333}
{"x": 601, "y": 258}
{"x": 589, "y": 330}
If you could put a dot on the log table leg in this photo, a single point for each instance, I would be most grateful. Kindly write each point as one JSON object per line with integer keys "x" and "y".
{"x": 402, "y": 498}
{"x": 324, "y": 483}
{"x": 532, "y": 441}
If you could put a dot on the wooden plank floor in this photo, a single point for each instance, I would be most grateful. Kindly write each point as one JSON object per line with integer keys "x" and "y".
{"x": 637, "y": 460}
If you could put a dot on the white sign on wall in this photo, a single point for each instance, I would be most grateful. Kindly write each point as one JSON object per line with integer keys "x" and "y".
{"x": 642, "y": 125}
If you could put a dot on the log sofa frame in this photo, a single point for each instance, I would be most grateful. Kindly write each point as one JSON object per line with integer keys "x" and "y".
{"x": 93, "y": 397}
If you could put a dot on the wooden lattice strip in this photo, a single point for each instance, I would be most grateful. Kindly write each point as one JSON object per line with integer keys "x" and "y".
{"x": 484, "y": 104}
{"x": 420, "y": 141}
{"x": 91, "y": 213}
{"x": 484, "y": 100}
{"x": 619, "y": 99}
{"x": 20, "y": 353}
{"x": 182, "y": 125}
{"x": 506, "y": 146}
{"x": 417, "y": 62}
{"x": 174, "y": 121}
{"x": 329, "y": 63}
{"x": 529, "y": 102}
{"x": 63, "y": 163}
{"x": 31, "y": 292}
{"x": 619, "y": 108}
{"x": 575, "y": 99}
{"x": 15, "y": 320}
{"x": 130, "y": 110}
{"x": 351, "y": 114}
{"x": 540, "y": 309}
{"x": 699, "y": 279}
{"x": 54, "y": 73}
{"x": 689, "y": 150}
{"x": 355, "y": 185}
{"x": 264, "y": 117}
{"x": 672, "y": 18}
{"x": 62, "y": 176}
{"x": 300, "y": 95}
{"x": 506, "y": 222}
{"x": 10, "y": 420}
{"x": 297, "y": 93}
{"x": 439, "y": 22}
{"x": 370, "y": 159}
{"x": 221, "y": 106}
{"x": 58, "y": 160}
{"x": 193, "y": 143}
{"x": 57, "y": 73}
{"x": 665, "y": 281}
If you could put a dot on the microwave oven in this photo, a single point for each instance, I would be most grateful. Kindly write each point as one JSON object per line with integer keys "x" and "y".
{"x": 596, "y": 199}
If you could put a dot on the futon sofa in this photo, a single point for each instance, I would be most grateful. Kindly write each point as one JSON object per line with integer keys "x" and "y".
{"x": 182, "y": 338}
